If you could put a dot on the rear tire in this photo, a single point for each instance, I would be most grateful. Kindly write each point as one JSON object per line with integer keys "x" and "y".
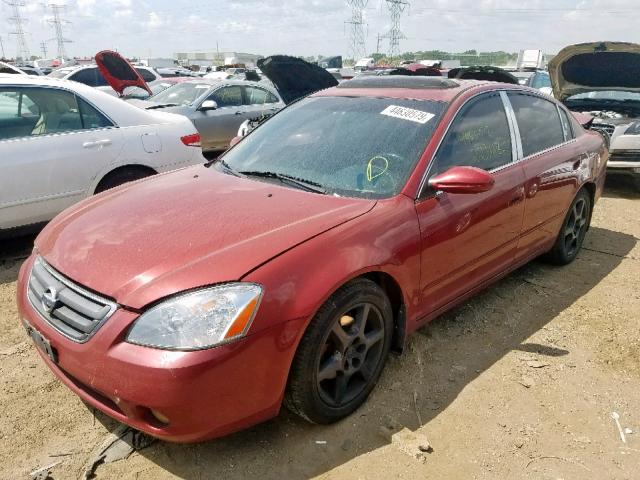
{"x": 573, "y": 230}
{"x": 121, "y": 176}
{"x": 342, "y": 353}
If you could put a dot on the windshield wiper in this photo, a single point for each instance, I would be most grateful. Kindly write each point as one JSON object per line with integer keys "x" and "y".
{"x": 308, "y": 185}
{"x": 227, "y": 168}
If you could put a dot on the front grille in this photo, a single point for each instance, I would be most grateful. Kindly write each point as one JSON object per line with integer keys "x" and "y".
{"x": 67, "y": 307}
{"x": 604, "y": 127}
{"x": 625, "y": 156}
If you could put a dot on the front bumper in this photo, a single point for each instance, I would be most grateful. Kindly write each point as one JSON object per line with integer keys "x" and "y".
{"x": 204, "y": 394}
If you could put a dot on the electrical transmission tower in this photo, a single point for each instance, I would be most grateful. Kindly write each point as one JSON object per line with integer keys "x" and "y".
{"x": 19, "y": 32}
{"x": 357, "y": 46}
{"x": 396, "y": 7}
{"x": 43, "y": 48}
{"x": 58, "y": 23}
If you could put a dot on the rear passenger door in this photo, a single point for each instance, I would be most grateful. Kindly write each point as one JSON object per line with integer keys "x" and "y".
{"x": 217, "y": 127}
{"x": 49, "y": 162}
{"x": 551, "y": 159}
{"x": 469, "y": 238}
{"x": 260, "y": 102}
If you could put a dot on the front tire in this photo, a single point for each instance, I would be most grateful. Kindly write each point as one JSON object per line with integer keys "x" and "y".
{"x": 342, "y": 353}
{"x": 573, "y": 230}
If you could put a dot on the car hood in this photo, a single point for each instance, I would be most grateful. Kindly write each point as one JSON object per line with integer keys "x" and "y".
{"x": 183, "y": 230}
{"x": 593, "y": 67}
{"x": 118, "y": 72}
{"x": 294, "y": 78}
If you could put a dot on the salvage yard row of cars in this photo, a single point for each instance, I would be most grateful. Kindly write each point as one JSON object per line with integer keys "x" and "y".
{"x": 193, "y": 304}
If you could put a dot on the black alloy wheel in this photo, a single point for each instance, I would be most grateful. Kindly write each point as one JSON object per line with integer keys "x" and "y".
{"x": 573, "y": 230}
{"x": 342, "y": 353}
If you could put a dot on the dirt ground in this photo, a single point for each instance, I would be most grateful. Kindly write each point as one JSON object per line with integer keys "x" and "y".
{"x": 519, "y": 382}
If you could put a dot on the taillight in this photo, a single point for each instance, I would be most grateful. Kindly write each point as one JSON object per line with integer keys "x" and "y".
{"x": 192, "y": 140}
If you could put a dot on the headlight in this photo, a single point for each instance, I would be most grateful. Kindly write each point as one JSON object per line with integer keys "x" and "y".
{"x": 633, "y": 129}
{"x": 198, "y": 320}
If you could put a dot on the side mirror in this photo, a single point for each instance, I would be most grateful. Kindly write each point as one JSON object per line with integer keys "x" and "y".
{"x": 463, "y": 180}
{"x": 208, "y": 105}
{"x": 235, "y": 140}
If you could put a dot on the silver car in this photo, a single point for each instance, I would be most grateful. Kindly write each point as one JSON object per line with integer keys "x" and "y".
{"x": 217, "y": 108}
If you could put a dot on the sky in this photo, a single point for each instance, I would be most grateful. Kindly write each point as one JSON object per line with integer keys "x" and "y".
{"x": 158, "y": 28}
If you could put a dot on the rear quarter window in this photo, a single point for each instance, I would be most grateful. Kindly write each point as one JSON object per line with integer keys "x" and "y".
{"x": 538, "y": 122}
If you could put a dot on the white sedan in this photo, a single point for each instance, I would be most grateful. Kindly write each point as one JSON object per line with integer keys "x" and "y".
{"x": 62, "y": 141}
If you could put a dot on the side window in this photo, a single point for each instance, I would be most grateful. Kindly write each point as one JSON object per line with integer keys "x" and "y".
{"x": 146, "y": 75}
{"x": 566, "y": 125}
{"x": 258, "y": 96}
{"x": 230, "y": 96}
{"x": 58, "y": 111}
{"x": 86, "y": 76}
{"x": 479, "y": 137}
{"x": 92, "y": 118}
{"x": 538, "y": 122}
{"x": 18, "y": 113}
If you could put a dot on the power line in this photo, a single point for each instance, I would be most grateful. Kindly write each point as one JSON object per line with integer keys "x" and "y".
{"x": 357, "y": 45}
{"x": 19, "y": 32}
{"x": 396, "y": 7}
{"x": 58, "y": 24}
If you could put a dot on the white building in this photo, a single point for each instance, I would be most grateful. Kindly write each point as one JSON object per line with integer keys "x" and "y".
{"x": 217, "y": 58}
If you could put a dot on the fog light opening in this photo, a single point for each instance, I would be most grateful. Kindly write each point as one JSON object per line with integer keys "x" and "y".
{"x": 159, "y": 416}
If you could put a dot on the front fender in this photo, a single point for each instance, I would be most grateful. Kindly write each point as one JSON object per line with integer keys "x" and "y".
{"x": 298, "y": 282}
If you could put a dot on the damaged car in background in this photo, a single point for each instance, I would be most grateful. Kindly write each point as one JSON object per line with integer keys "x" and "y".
{"x": 602, "y": 79}
{"x": 216, "y": 108}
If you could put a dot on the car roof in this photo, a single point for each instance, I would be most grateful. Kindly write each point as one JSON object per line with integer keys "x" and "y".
{"x": 400, "y": 86}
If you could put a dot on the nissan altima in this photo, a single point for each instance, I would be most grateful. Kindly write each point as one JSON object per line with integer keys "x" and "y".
{"x": 194, "y": 304}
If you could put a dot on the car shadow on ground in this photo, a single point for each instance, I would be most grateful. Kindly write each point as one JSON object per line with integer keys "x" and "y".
{"x": 439, "y": 361}
{"x": 620, "y": 186}
{"x": 14, "y": 251}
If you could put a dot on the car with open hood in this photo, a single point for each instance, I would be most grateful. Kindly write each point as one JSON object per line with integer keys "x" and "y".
{"x": 62, "y": 141}
{"x": 602, "y": 79}
{"x": 191, "y": 304}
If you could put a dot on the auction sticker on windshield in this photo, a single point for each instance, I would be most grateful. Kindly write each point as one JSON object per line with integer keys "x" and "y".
{"x": 405, "y": 113}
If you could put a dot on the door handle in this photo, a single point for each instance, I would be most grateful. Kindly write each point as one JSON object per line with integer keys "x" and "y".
{"x": 97, "y": 144}
{"x": 238, "y": 113}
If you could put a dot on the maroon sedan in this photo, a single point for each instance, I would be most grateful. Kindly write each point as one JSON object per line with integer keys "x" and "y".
{"x": 192, "y": 304}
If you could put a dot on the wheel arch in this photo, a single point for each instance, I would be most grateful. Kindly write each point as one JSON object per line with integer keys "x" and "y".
{"x": 121, "y": 168}
{"x": 590, "y": 187}
{"x": 394, "y": 293}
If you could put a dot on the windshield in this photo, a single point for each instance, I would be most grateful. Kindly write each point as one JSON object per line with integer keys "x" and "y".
{"x": 182, "y": 93}
{"x": 611, "y": 95}
{"x": 541, "y": 80}
{"x": 359, "y": 147}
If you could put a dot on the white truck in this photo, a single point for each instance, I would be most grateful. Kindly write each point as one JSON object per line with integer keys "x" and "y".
{"x": 531, "y": 60}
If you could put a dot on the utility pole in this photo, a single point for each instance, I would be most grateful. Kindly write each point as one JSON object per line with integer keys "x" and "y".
{"x": 58, "y": 24}
{"x": 2, "y": 48}
{"x": 19, "y": 32}
{"x": 396, "y": 8}
{"x": 357, "y": 45}
{"x": 43, "y": 48}
{"x": 378, "y": 44}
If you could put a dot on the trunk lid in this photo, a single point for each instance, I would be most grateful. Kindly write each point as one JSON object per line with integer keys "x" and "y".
{"x": 118, "y": 72}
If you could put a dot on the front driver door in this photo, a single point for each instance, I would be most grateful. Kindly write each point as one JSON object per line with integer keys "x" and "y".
{"x": 217, "y": 127}
{"x": 469, "y": 238}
